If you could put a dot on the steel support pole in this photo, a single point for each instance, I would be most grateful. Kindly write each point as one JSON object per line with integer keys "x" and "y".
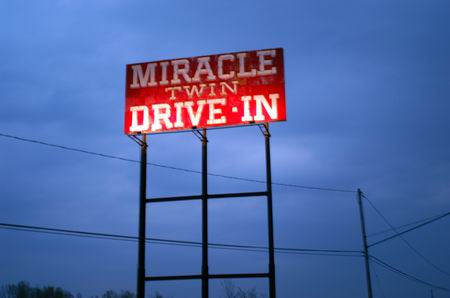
{"x": 366, "y": 247}
{"x": 272, "y": 288}
{"x": 142, "y": 214}
{"x": 205, "y": 270}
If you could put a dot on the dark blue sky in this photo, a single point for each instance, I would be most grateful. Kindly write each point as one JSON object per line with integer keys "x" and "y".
{"x": 368, "y": 92}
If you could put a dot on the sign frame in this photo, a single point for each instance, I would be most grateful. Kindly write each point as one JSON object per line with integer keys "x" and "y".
{"x": 212, "y": 91}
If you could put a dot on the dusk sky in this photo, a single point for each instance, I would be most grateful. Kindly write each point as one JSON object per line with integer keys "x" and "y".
{"x": 368, "y": 104}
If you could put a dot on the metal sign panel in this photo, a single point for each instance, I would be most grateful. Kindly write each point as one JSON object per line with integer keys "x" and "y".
{"x": 207, "y": 91}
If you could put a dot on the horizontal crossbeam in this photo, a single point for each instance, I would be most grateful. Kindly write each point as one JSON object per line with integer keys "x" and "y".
{"x": 173, "y": 199}
{"x": 209, "y": 196}
{"x": 210, "y": 276}
{"x": 239, "y": 275}
{"x": 238, "y": 195}
{"x": 174, "y": 277}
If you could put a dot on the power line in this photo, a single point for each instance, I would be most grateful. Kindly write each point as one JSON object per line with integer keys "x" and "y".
{"x": 73, "y": 149}
{"x": 119, "y": 237}
{"x": 404, "y": 225}
{"x": 411, "y": 229}
{"x": 406, "y": 275}
{"x": 425, "y": 259}
{"x": 252, "y": 248}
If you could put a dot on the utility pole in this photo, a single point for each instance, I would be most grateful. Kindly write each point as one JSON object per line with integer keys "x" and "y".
{"x": 366, "y": 247}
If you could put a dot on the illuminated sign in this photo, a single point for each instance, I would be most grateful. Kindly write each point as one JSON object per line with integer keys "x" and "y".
{"x": 206, "y": 91}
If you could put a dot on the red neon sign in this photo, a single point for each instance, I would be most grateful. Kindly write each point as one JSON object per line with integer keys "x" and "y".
{"x": 206, "y": 91}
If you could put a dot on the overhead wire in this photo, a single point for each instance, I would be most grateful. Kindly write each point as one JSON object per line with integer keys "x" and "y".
{"x": 109, "y": 236}
{"x": 397, "y": 233}
{"x": 345, "y": 253}
{"x": 103, "y": 155}
{"x": 387, "y": 231}
{"x": 391, "y": 268}
{"x": 410, "y": 229}
{"x": 299, "y": 251}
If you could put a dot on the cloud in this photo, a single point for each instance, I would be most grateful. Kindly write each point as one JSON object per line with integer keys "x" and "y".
{"x": 367, "y": 88}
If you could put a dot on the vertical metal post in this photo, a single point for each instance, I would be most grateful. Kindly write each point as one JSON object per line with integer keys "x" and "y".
{"x": 272, "y": 289}
{"x": 142, "y": 215}
{"x": 205, "y": 270}
{"x": 366, "y": 248}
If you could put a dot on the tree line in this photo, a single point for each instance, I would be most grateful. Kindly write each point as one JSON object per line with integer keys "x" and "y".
{"x": 23, "y": 289}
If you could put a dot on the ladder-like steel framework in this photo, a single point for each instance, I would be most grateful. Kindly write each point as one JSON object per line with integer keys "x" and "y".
{"x": 205, "y": 276}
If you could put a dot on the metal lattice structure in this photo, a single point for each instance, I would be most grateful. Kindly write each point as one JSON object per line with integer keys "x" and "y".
{"x": 205, "y": 276}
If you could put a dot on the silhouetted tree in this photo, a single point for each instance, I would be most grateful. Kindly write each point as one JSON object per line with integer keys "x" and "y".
{"x": 110, "y": 294}
{"x": 231, "y": 291}
{"x": 127, "y": 294}
{"x": 158, "y": 295}
{"x": 23, "y": 290}
{"x": 122, "y": 294}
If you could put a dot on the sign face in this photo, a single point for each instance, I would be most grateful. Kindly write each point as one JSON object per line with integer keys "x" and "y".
{"x": 206, "y": 91}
